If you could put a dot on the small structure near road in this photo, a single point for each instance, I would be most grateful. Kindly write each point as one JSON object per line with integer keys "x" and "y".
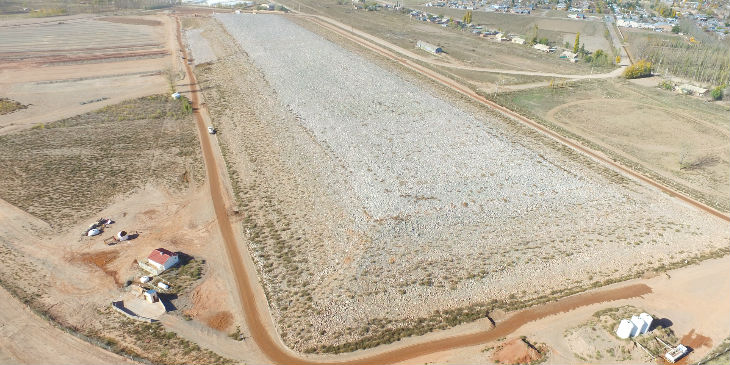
{"x": 570, "y": 56}
{"x": 518, "y": 40}
{"x": 151, "y": 296}
{"x": 676, "y": 353}
{"x": 141, "y": 304}
{"x": 428, "y": 47}
{"x": 159, "y": 260}
{"x": 543, "y": 47}
{"x": 501, "y": 37}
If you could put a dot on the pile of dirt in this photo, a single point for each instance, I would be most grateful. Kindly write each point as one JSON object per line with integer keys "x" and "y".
{"x": 209, "y": 307}
{"x": 220, "y": 321}
{"x": 516, "y": 351}
{"x": 101, "y": 260}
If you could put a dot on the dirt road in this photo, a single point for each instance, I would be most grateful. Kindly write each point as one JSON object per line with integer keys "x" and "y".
{"x": 26, "y": 338}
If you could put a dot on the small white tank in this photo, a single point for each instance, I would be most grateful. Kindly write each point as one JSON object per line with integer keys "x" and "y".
{"x": 625, "y": 329}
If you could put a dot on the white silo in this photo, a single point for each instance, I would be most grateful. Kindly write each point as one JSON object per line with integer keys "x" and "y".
{"x": 647, "y": 319}
{"x": 641, "y": 326}
{"x": 625, "y": 329}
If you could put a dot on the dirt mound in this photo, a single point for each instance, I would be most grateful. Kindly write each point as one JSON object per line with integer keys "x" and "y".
{"x": 101, "y": 260}
{"x": 220, "y": 321}
{"x": 516, "y": 351}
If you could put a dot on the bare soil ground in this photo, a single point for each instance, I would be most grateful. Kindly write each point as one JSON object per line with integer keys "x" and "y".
{"x": 26, "y": 338}
{"x": 681, "y": 139}
{"x": 517, "y": 351}
{"x": 571, "y": 336}
{"x": 245, "y": 128}
{"x": 66, "y": 66}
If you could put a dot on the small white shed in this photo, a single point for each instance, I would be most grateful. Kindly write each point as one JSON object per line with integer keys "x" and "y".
{"x": 676, "y": 353}
{"x": 151, "y": 296}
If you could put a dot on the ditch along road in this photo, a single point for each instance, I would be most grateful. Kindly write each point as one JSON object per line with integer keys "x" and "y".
{"x": 258, "y": 319}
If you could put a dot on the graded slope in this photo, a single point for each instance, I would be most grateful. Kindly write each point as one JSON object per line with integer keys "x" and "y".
{"x": 373, "y": 201}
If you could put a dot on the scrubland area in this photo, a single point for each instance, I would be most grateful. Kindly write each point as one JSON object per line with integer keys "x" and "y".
{"x": 377, "y": 209}
{"x": 70, "y": 169}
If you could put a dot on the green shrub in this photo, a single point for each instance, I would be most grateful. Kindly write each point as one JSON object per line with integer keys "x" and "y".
{"x": 640, "y": 69}
{"x": 716, "y": 93}
{"x": 666, "y": 85}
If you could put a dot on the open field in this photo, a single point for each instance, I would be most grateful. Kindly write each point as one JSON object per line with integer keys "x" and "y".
{"x": 339, "y": 234}
{"x": 70, "y": 169}
{"x": 557, "y": 29}
{"x": 683, "y": 140}
{"x": 72, "y": 65}
{"x": 461, "y": 47}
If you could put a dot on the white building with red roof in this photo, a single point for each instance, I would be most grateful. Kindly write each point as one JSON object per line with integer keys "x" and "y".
{"x": 162, "y": 259}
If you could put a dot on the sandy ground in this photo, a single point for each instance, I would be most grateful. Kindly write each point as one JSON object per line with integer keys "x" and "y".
{"x": 26, "y": 338}
{"x": 83, "y": 70}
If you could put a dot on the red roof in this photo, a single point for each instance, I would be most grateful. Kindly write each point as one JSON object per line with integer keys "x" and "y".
{"x": 160, "y": 255}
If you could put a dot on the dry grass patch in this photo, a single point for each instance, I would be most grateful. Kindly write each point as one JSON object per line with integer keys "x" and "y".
{"x": 71, "y": 169}
{"x": 8, "y": 106}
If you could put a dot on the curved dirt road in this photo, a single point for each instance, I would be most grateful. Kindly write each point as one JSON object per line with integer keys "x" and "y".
{"x": 277, "y": 353}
